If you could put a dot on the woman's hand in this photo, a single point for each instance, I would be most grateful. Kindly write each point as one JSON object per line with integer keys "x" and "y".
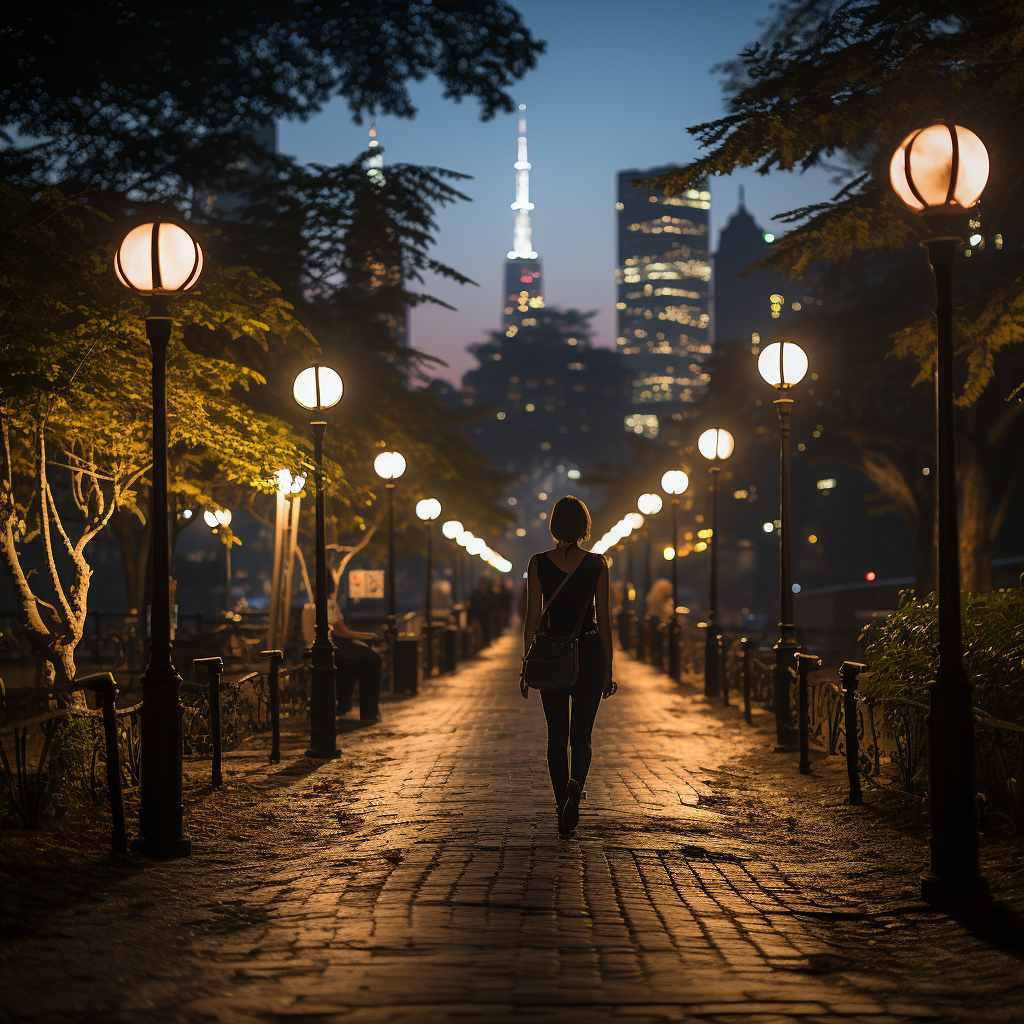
{"x": 523, "y": 688}
{"x": 610, "y": 686}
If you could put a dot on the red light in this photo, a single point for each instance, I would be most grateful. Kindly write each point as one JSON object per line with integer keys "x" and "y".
{"x": 526, "y": 279}
{"x": 869, "y": 576}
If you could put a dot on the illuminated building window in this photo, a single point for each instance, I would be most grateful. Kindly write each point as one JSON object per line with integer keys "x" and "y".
{"x": 643, "y": 424}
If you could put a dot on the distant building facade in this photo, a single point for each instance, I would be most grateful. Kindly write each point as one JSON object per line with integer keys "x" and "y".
{"x": 663, "y": 286}
{"x": 751, "y": 305}
{"x": 524, "y": 279}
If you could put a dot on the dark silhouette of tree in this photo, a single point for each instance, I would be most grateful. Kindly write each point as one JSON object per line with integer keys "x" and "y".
{"x": 160, "y": 100}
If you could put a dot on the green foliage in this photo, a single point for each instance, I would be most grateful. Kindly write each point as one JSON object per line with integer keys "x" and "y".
{"x": 902, "y": 651}
{"x": 70, "y": 766}
{"x": 75, "y": 404}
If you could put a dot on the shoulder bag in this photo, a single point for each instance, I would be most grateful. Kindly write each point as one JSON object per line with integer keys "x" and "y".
{"x": 553, "y": 662}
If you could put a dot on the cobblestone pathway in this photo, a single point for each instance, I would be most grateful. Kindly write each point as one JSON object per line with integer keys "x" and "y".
{"x": 419, "y": 878}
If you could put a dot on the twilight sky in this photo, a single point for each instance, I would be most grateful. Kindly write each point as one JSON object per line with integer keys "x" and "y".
{"x": 617, "y": 89}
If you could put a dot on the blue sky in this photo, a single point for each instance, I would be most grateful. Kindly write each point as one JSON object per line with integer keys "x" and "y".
{"x": 617, "y": 89}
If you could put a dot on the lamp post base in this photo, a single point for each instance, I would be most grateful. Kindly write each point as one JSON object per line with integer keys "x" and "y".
{"x": 674, "y": 661}
{"x": 711, "y": 681}
{"x": 323, "y": 702}
{"x": 786, "y": 734}
{"x": 947, "y": 891}
{"x": 161, "y": 850}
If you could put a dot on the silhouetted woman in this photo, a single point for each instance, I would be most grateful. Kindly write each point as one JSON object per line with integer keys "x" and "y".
{"x": 570, "y": 713}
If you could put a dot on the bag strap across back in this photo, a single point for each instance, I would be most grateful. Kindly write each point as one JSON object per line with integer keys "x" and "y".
{"x": 586, "y": 604}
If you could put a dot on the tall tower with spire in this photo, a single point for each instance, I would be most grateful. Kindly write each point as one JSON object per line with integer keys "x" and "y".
{"x": 524, "y": 284}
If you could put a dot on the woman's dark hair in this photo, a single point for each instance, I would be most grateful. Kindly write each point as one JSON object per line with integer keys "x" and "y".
{"x": 570, "y": 520}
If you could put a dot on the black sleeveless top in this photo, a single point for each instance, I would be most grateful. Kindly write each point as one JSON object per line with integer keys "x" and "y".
{"x": 565, "y": 612}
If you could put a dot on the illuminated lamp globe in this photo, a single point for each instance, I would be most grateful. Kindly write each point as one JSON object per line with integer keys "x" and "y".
{"x": 452, "y": 528}
{"x": 210, "y": 519}
{"x": 389, "y": 465}
{"x": 318, "y": 387}
{"x": 939, "y": 167}
{"x": 288, "y": 484}
{"x": 675, "y": 481}
{"x": 428, "y": 509}
{"x": 649, "y": 504}
{"x": 475, "y": 546}
{"x": 635, "y": 520}
{"x": 715, "y": 444}
{"x": 782, "y": 364}
{"x": 462, "y": 539}
{"x": 158, "y": 259}
{"x": 669, "y": 553}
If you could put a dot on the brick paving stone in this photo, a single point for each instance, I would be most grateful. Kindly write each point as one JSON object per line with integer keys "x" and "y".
{"x": 419, "y": 878}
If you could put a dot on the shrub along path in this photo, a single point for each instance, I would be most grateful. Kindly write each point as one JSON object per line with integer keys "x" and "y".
{"x": 419, "y": 878}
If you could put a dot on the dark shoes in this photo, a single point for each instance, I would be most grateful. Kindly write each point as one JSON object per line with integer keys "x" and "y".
{"x": 571, "y": 809}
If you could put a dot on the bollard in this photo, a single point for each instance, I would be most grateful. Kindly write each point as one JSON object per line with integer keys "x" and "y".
{"x": 848, "y": 672}
{"x": 406, "y": 665}
{"x": 804, "y": 663}
{"x": 675, "y": 668}
{"x": 748, "y": 649}
{"x": 451, "y": 648}
{"x": 274, "y": 686}
{"x": 103, "y": 684}
{"x": 214, "y": 667}
{"x": 723, "y": 677}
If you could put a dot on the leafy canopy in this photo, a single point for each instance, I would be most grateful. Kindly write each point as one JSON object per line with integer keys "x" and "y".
{"x": 129, "y": 95}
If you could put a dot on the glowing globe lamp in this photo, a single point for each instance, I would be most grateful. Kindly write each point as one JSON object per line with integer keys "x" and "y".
{"x": 715, "y": 444}
{"x": 452, "y": 528}
{"x": 675, "y": 481}
{"x": 318, "y": 387}
{"x": 782, "y": 364}
{"x": 389, "y": 465}
{"x": 939, "y": 167}
{"x": 428, "y": 509}
{"x": 158, "y": 259}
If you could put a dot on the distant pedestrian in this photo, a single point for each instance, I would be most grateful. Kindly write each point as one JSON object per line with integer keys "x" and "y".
{"x": 570, "y": 713}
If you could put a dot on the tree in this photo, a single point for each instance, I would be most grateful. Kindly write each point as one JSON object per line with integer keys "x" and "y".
{"x": 159, "y": 100}
{"x": 75, "y": 404}
{"x": 848, "y": 80}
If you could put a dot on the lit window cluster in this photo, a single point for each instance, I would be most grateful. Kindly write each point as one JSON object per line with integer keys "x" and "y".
{"x": 827, "y": 484}
{"x": 694, "y": 199}
{"x": 644, "y": 424}
{"x": 669, "y": 226}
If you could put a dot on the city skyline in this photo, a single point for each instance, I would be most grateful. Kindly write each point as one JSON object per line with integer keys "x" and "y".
{"x": 575, "y": 158}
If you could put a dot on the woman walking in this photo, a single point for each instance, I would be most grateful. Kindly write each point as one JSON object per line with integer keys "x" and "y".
{"x": 581, "y": 603}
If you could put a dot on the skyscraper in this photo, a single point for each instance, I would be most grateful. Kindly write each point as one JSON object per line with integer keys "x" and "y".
{"x": 524, "y": 285}
{"x": 749, "y": 304}
{"x": 663, "y": 281}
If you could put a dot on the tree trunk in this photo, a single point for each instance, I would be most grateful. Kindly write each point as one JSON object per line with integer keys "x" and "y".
{"x": 133, "y": 540}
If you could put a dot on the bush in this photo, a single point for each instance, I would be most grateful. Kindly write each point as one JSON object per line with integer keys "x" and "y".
{"x": 902, "y": 651}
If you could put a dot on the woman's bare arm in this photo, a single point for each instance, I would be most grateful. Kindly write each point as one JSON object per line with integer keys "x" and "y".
{"x": 534, "y": 600}
{"x": 604, "y": 623}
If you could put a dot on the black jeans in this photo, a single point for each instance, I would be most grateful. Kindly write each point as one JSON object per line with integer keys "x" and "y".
{"x": 570, "y": 717}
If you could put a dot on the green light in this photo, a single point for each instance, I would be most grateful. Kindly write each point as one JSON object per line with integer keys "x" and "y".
{"x": 769, "y": 237}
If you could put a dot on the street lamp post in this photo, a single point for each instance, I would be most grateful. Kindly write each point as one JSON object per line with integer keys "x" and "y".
{"x": 389, "y": 466}
{"x": 160, "y": 260}
{"x": 428, "y": 509}
{"x": 674, "y": 482}
{"x": 939, "y": 172}
{"x": 318, "y": 388}
{"x": 636, "y": 522}
{"x": 219, "y": 522}
{"x": 649, "y": 505}
{"x": 716, "y": 446}
{"x": 783, "y": 364}
{"x": 451, "y": 529}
